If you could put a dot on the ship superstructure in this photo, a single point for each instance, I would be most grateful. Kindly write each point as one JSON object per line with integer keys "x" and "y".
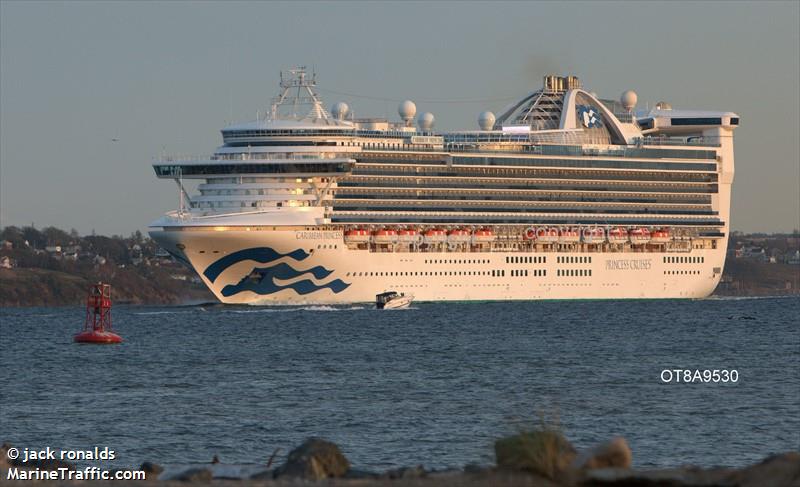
{"x": 564, "y": 195}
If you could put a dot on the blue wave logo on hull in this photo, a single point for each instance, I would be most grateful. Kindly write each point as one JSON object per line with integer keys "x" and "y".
{"x": 262, "y": 255}
{"x": 261, "y": 279}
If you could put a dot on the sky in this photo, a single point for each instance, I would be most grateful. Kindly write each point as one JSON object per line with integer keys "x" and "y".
{"x": 164, "y": 77}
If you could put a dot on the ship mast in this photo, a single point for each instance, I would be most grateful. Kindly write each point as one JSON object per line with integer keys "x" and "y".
{"x": 297, "y": 90}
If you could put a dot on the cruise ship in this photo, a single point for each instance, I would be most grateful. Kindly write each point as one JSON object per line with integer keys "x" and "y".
{"x": 562, "y": 195}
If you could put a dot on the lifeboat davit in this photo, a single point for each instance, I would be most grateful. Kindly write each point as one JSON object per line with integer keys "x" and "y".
{"x": 569, "y": 235}
{"x": 594, "y": 235}
{"x": 459, "y": 236}
{"x": 547, "y": 235}
{"x": 408, "y": 236}
{"x": 434, "y": 236}
{"x": 640, "y": 235}
{"x": 660, "y": 236}
{"x": 618, "y": 235}
{"x": 385, "y": 236}
{"x": 358, "y": 236}
{"x": 483, "y": 235}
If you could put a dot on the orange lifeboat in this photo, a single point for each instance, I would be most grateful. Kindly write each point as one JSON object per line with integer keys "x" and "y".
{"x": 385, "y": 236}
{"x": 660, "y": 236}
{"x": 529, "y": 234}
{"x": 569, "y": 235}
{"x": 459, "y": 235}
{"x": 434, "y": 235}
{"x": 594, "y": 235}
{"x": 483, "y": 235}
{"x": 408, "y": 235}
{"x": 640, "y": 236}
{"x": 358, "y": 235}
{"x": 618, "y": 235}
{"x": 547, "y": 235}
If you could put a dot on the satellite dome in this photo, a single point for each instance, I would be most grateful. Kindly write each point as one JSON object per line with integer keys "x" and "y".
{"x": 407, "y": 110}
{"x": 629, "y": 99}
{"x": 662, "y": 105}
{"x": 425, "y": 121}
{"x": 340, "y": 110}
{"x": 486, "y": 120}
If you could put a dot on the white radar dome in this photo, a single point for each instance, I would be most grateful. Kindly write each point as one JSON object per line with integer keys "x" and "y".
{"x": 629, "y": 99}
{"x": 486, "y": 120}
{"x": 425, "y": 121}
{"x": 340, "y": 110}
{"x": 407, "y": 110}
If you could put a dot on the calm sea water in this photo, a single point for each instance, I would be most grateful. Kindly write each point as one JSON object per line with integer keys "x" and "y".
{"x": 432, "y": 385}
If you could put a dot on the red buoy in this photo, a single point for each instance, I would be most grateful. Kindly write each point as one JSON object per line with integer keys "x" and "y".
{"x": 97, "y": 327}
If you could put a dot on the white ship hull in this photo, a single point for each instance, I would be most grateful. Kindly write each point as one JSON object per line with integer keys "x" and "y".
{"x": 321, "y": 269}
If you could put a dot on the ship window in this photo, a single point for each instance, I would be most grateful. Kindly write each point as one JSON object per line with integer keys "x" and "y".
{"x": 696, "y": 121}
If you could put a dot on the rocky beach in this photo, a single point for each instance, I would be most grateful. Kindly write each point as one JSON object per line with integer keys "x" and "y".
{"x": 541, "y": 458}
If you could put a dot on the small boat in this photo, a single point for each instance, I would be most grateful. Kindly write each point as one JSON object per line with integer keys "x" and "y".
{"x": 408, "y": 236}
{"x": 594, "y": 235}
{"x": 385, "y": 236}
{"x": 660, "y": 236}
{"x": 434, "y": 236}
{"x": 618, "y": 235}
{"x": 458, "y": 236}
{"x": 356, "y": 236}
{"x": 392, "y": 300}
{"x": 640, "y": 235}
{"x": 483, "y": 235}
{"x": 547, "y": 235}
{"x": 569, "y": 235}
